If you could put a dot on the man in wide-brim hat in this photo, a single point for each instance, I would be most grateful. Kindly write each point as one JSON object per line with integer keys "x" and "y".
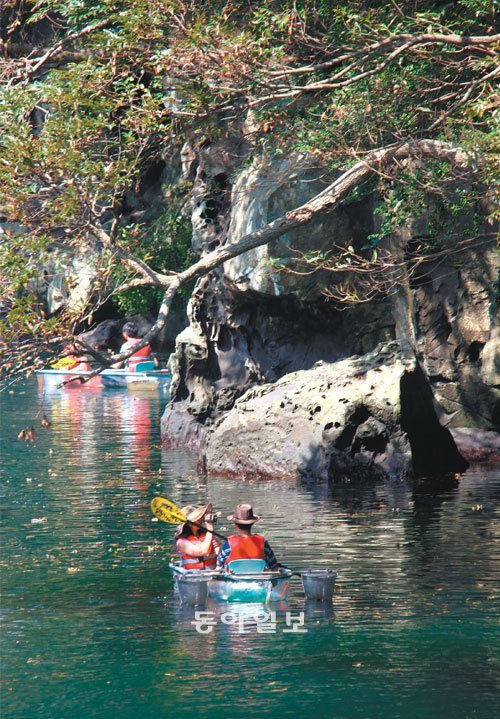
{"x": 244, "y": 544}
{"x": 197, "y": 547}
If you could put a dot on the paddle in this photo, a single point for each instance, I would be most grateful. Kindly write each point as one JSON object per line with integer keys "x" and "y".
{"x": 167, "y": 511}
{"x": 62, "y": 363}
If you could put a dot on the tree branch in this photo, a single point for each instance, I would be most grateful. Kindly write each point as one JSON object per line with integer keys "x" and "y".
{"x": 53, "y": 51}
{"x": 356, "y": 60}
{"x": 149, "y": 276}
{"x": 378, "y": 47}
{"x": 325, "y": 202}
{"x": 464, "y": 98}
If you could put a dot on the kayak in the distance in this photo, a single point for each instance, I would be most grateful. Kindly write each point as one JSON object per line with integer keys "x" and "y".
{"x": 147, "y": 378}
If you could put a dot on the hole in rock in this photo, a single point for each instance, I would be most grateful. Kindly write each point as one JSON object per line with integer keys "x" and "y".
{"x": 346, "y": 436}
{"x": 474, "y": 353}
{"x": 359, "y": 415}
{"x": 433, "y": 448}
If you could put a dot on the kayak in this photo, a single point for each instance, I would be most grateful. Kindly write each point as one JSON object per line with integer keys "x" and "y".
{"x": 153, "y": 379}
{"x": 54, "y": 377}
{"x": 253, "y": 587}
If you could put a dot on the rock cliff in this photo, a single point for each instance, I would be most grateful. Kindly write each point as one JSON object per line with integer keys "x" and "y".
{"x": 258, "y": 331}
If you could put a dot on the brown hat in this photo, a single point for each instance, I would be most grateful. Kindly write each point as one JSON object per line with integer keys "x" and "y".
{"x": 243, "y": 514}
{"x": 192, "y": 514}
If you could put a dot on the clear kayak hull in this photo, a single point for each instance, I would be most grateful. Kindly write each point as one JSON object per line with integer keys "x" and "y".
{"x": 255, "y": 587}
{"x": 156, "y": 379}
{"x": 136, "y": 380}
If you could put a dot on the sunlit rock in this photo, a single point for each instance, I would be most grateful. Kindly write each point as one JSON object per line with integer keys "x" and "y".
{"x": 368, "y": 417}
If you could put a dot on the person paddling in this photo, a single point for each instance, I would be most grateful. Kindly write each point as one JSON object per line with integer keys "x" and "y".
{"x": 198, "y": 548}
{"x": 130, "y": 333}
{"x": 73, "y": 359}
{"x": 246, "y": 545}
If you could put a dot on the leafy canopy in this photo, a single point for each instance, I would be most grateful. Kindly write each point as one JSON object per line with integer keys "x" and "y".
{"x": 94, "y": 94}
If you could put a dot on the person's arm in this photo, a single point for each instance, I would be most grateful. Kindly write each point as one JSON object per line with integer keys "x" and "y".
{"x": 224, "y": 553}
{"x": 269, "y": 555}
{"x": 198, "y": 548}
{"x": 123, "y": 348}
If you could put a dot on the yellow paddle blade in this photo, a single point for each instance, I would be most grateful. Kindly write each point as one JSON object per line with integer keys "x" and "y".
{"x": 167, "y": 511}
{"x": 62, "y": 362}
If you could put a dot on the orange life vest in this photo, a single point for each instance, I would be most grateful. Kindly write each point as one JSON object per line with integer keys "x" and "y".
{"x": 142, "y": 355}
{"x": 251, "y": 547}
{"x": 208, "y": 561}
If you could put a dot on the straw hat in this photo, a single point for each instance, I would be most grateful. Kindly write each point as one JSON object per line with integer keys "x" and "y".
{"x": 243, "y": 514}
{"x": 192, "y": 514}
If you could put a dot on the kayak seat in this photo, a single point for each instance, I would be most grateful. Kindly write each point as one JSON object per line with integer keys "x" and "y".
{"x": 145, "y": 366}
{"x": 244, "y": 566}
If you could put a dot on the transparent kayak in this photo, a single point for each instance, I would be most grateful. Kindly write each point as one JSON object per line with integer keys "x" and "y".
{"x": 261, "y": 586}
{"x": 153, "y": 379}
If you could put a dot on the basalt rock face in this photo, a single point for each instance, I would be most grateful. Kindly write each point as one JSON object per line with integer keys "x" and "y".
{"x": 368, "y": 417}
{"x": 458, "y": 336}
{"x": 238, "y": 341}
{"x": 249, "y": 324}
{"x": 253, "y": 328}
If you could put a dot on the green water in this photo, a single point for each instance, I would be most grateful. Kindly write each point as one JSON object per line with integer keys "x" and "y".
{"x": 91, "y": 627}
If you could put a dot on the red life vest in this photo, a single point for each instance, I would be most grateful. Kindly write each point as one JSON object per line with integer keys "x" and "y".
{"x": 251, "y": 547}
{"x": 142, "y": 355}
{"x": 208, "y": 561}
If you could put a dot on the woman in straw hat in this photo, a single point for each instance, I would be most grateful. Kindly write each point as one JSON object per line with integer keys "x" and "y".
{"x": 244, "y": 544}
{"x": 197, "y": 547}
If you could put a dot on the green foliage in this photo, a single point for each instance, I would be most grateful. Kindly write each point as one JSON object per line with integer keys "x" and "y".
{"x": 127, "y": 83}
{"x": 167, "y": 240}
{"x": 433, "y": 196}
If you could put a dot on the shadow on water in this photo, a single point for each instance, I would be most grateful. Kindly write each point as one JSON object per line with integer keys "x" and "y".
{"x": 428, "y": 499}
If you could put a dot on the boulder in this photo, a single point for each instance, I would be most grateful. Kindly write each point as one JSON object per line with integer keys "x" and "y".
{"x": 478, "y": 446}
{"x": 105, "y": 335}
{"x": 335, "y": 421}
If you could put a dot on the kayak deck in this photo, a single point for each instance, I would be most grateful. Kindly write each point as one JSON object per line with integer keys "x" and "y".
{"x": 124, "y": 378}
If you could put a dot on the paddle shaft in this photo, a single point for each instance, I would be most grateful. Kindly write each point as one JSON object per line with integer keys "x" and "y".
{"x": 201, "y": 526}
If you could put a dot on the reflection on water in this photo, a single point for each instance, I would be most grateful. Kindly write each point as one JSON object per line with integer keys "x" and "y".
{"x": 92, "y": 627}
{"x": 85, "y": 420}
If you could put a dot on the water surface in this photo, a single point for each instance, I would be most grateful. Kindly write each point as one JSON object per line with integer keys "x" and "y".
{"x": 91, "y": 627}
